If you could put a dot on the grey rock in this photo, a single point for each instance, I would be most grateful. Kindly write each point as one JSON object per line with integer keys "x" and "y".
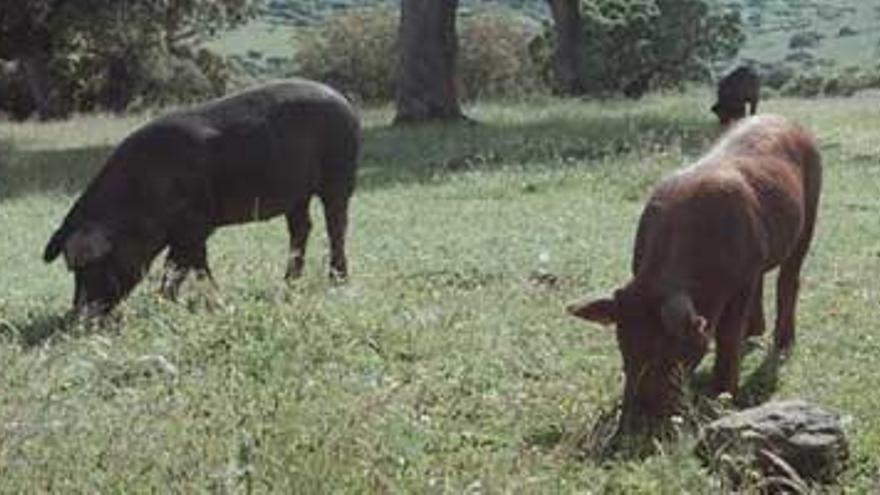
{"x": 804, "y": 437}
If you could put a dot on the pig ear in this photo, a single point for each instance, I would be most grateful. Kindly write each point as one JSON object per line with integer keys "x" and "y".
{"x": 681, "y": 320}
{"x": 86, "y": 245}
{"x": 55, "y": 245}
{"x": 602, "y": 311}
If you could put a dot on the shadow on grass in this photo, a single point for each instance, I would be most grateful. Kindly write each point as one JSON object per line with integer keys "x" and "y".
{"x": 39, "y": 330}
{"x": 64, "y": 171}
{"x": 395, "y": 155}
{"x": 763, "y": 382}
{"x": 758, "y": 388}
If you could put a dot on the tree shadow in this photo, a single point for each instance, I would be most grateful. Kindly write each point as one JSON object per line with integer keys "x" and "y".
{"x": 758, "y": 387}
{"x": 38, "y": 331}
{"x": 63, "y": 171}
{"x": 763, "y": 382}
{"x": 397, "y": 155}
{"x": 45, "y": 329}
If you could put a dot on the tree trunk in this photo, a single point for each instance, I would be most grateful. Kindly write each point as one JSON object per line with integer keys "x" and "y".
{"x": 570, "y": 46}
{"x": 35, "y": 65}
{"x": 426, "y": 87}
{"x": 118, "y": 91}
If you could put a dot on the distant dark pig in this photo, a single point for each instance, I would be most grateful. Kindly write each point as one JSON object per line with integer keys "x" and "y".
{"x": 250, "y": 156}
{"x": 704, "y": 241}
{"x": 735, "y": 90}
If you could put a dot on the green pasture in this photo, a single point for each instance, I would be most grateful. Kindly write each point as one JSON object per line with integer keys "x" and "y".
{"x": 446, "y": 364}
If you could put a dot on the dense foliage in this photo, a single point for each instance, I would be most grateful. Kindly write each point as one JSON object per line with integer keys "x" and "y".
{"x": 494, "y": 59}
{"x": 639, "y": 45}
{"x": 109, "y": 53}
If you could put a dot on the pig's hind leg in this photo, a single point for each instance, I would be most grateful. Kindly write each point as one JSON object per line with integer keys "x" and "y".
{"x": 787, "y": 286}
{"x": 336, "y": 216}
{"x": 298, "y": 225}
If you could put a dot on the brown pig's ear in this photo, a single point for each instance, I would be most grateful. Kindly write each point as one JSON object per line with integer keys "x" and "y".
{"x": 602, "y": 311}
{"x": 681, "y": 320}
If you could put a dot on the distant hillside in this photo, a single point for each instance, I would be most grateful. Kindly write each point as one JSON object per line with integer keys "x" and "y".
{"x": 845, "y": 32}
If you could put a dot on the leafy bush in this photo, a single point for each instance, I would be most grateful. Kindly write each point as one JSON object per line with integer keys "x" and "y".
{"x": 847, "y": 31}
{"x": 802, "y": 57}
{"x": 136, "y": 77}
{"x": 494, "y": 58}
{"x": 639, "y": 45}
{"x": 775, "y": 75}
{"x": 356, "y": 52}
{"x": 819, "y": 80}
{"x": 851, "y": 80}
{"x": 170, "y": 80}
{"x": 807, "y": 39}
{"x": 805, "y": 84}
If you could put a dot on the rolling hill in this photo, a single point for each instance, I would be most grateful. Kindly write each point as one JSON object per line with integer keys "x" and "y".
{"x": 846, "y": 32}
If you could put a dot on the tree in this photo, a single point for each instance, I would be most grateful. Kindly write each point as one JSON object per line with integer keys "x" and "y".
{"x": 569, "y": 54}
{"x": 426, "y": 86}
{"x": 47, "y": 36}
{"x": 25, "y": 36}
{"x": 648, "y": 44}
{"x": 634, "y": 46}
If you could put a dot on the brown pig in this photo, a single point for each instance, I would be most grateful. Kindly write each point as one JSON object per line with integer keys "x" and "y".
{"x": 706, "y": 237}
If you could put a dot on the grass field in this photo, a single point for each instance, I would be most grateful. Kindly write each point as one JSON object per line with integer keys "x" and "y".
{"x": 446, "y": 364}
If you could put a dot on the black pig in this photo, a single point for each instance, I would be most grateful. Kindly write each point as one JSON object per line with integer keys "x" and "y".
{"x": 250, "y": 156}
{"x": 742, "y": 86}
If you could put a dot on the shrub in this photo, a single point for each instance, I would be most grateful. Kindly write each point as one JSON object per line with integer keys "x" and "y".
{"x": 134, "y": 74}
{"x": 850, "y": 80}
{"x": 775, "y": 75}
{"x": 847, "y": 31}
{"x": 355, "y": 52}
{"x": 494, "y": 57}
{"x": 802, "y": 57}
{"x": 135, "y": 78}
{"x": 215, "y": 68}
{"x": 806, "y": 84}
{"x": 824, "y": 81}
{"x": 807, "y": 39}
